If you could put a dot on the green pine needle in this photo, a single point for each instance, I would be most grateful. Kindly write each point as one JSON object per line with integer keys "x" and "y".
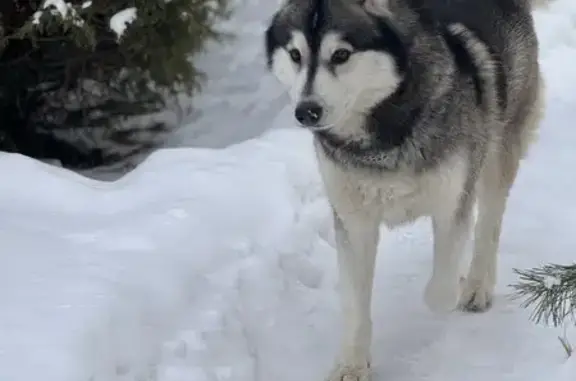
{"x": 550, "y": 291}
{"x": 568, "y": 348}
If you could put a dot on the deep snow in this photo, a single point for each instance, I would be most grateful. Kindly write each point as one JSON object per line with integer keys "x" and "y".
{"x": 218, "y": 264}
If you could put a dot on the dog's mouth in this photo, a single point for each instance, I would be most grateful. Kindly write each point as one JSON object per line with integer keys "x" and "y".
{"x": 317, "y": 128}
{"x": 320, "y": 128}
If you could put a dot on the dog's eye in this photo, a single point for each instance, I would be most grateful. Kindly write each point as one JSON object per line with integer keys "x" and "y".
{"x": 340, "y": 56}
{"x": 295, "y": 55}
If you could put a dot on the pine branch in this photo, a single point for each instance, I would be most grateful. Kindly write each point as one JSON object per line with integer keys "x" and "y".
{"x": 550, "y": 291}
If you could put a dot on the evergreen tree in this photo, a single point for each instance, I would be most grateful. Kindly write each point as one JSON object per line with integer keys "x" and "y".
{"x": 75, "y": 75}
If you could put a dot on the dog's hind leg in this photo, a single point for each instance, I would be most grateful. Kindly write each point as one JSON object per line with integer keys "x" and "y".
{"x": 494, "y": 186}
{"x": 451, "y": 227}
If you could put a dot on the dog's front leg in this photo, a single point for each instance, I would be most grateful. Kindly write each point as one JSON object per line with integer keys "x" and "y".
{"x": 357, "y": 240}
{"x": 451, "y": 227}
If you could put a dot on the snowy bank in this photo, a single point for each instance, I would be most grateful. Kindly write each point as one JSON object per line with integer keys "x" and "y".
{"x": 120, "y": 251}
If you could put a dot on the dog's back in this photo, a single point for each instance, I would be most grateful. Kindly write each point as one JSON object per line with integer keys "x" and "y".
{"x": 506, "y": 28}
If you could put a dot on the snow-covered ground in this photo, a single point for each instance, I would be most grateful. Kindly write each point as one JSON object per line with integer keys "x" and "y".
{"x": 218, "y": 264}
{"x": 240, "y": 99}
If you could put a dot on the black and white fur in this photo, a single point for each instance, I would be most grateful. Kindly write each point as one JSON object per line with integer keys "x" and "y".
{"x": 419, "y": 108}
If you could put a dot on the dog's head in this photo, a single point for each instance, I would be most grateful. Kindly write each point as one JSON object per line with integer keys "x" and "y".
{"x": 338, "y": 58}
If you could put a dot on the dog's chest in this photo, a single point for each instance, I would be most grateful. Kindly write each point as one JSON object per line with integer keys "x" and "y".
{"x": 397, "y": 198}
{"x": 401, "y": 200}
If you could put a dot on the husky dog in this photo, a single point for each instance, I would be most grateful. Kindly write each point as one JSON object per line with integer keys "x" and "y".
{"x": 419, "y": 108}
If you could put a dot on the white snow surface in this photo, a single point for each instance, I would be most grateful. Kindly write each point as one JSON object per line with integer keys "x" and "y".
{"x": 567, "y": 371}
{"x": 240, "y": 99}
{"x": 218, "y": 264}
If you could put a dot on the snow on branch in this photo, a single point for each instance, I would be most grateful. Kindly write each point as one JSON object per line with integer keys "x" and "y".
{"x": 551, "y": 292}
{"x": 60, "y": 8}
{"x": 68, "y": 12}
{"x": 120, "y": 21}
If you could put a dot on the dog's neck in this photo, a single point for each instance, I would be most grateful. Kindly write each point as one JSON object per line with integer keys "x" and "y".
{"x": 391, "y": 122}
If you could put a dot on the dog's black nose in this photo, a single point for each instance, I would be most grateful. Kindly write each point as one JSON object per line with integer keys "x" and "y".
{"x": 308, "y": 113}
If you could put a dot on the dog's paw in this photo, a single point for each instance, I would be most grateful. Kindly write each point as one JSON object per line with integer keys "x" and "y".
{"x": 477, "y": 296}
{"x": 442, "y": 295}
{"x": 349, "y": 372}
